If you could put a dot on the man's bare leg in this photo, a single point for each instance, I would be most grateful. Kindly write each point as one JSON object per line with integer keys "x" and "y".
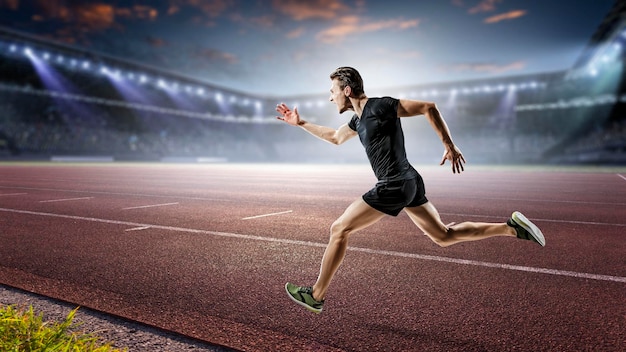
{"x": 427, "y": 219}
{"x": 357, "y": 216}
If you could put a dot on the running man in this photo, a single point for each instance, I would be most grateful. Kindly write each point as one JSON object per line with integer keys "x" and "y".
{"x": 400, "y": 187}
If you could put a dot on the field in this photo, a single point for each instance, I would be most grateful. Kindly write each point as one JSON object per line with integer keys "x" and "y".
{"x": 205, "y": 250}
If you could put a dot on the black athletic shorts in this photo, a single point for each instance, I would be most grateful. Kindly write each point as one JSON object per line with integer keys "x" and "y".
{"x": 391, "y": 197}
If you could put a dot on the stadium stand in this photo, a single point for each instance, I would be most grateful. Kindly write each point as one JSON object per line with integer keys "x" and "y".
{"x": 62, "y": 101}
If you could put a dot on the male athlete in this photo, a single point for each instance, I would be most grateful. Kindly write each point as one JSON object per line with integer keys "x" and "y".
{"x": 376, "y": 122}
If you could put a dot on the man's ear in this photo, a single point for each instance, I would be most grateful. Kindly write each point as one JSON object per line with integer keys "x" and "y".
{"x": 347, "y": 91}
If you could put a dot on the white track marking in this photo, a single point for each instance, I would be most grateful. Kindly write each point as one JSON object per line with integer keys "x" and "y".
{"x": 138, "y": 228}
{"x": 150, "y": 206}
{"x": 116, "y": 193}
{"x": 64, "y": 199}
{"x": 270, "y": 214}
{"x": 547, "y": 271}
{"x": 623, "y": 177}
{"x": 12, "y": 194}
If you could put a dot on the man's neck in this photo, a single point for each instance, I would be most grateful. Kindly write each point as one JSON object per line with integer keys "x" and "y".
{"x": 358, "y": 104}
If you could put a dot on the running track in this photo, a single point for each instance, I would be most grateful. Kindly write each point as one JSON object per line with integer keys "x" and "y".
{"x": 205, "y": 250}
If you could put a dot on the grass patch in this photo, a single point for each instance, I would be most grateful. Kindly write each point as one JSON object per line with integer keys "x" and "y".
{"x": 24, "y": 330}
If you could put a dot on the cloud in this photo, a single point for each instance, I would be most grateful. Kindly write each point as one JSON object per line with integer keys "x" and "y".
{"x": 490, "y": 68}
{"x": 11, "y": 4}
{"x": 215, "y": 56}
{"x": 90, "y": 17}
{"x": 296, "y": 33}
{"x": 155, "y": 42}
{"x": 317, "y": 9}
{"x": 505, "y": 16}
{"x": 350, "y": 25}
{"x": 211, "y": 8}
{"x": 484, "y": 6}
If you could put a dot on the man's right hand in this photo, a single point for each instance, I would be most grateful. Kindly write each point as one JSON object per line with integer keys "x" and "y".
{"x": 290, "y": 116}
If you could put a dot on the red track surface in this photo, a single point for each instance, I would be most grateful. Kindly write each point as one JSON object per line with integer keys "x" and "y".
{"x": 170, "y": 245}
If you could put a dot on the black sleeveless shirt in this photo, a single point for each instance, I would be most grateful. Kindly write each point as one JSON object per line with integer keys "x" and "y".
{"x": 381, "y": 134}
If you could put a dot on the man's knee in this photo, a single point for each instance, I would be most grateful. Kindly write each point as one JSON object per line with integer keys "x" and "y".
{"x": 442, "y": 237}
{"x": 339, "y": 231}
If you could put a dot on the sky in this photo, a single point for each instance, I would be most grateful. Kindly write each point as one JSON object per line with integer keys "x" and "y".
{"x": 289, "y": 47}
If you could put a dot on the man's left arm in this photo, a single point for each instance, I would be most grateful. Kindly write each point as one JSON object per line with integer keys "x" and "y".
{"x": 408, "y": 108}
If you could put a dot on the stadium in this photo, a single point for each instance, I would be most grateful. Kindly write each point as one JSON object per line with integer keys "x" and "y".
{"x": 172, "y": 210}
{"x": 62, "y": 102}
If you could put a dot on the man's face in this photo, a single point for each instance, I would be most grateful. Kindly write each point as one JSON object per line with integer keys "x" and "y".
{"x": 338, "y": 96}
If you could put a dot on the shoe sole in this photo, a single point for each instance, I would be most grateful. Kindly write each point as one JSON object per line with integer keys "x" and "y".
{"x": 534, "y": 231}
{"x": 314, "y": 310}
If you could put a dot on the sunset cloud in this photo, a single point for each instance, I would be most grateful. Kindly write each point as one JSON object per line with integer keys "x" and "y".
{"x": 216, "y": 56}
{"x": 211, "y": 8}
{"x": 317, "y": 9}
{"x": 350, "y": 25}
{"x": 484, "y": 6}
{"x": 505, "y": 16}
{"x": 296, "y": 33}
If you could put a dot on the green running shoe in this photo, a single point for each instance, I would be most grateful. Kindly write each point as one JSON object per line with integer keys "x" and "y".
{"x": 525, "y": 229}
{"x": 304, "y": 297}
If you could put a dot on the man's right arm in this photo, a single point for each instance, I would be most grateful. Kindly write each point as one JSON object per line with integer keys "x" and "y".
{"x": 328, "y": 134}
{"x": 334, "y": 136}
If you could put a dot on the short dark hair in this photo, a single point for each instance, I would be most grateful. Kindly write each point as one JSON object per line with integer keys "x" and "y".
{"x": 349, "y": 77}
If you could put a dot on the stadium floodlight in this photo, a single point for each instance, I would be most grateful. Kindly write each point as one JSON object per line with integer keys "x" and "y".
{"x": 143, "y": 79}
{"x": 218, "y": 97}
{"x": 200, "y": 91}
{"x": 86, "y": 65}
{"x": 46, "y": 56}
{"x": 13, "y": 48}
{"x": 28, "y": 51}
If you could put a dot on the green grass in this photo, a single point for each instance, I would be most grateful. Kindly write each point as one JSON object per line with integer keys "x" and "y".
{"x": 24, "y": 330}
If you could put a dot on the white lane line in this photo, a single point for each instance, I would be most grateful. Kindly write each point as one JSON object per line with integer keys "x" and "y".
{"x": 622, "y": 176}
{"x": 529, "y": 269}
{"x": 270, "y": 214}
{"x": 117, "y": 193}
{"x": 138, "y": 228}
{"x": 64, "y": 199}
{"x": 12, "y": 194}
{"x": 150, "y": 206}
